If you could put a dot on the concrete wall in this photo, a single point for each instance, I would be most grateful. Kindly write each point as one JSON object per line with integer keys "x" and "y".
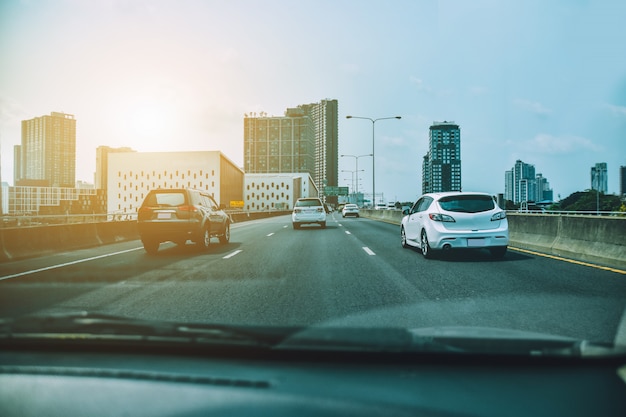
{"x": 594, "y": 239}
{"x": 28, "y": 242}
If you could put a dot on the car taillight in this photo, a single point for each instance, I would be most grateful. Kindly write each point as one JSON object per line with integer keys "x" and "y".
{"x": 297, "y": 210}
{"x": 320, "y": 210}
{"x": 187, "y": 208}
{"x": 441, "y": 217}
{"x": 144, "y": 210}
{"x": 498, "y": 216}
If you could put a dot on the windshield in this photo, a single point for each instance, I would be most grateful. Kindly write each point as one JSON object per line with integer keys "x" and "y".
{"x": 276, "y": 116}
{"x": 467, "y": 203}
{"x": 308, "y": 203}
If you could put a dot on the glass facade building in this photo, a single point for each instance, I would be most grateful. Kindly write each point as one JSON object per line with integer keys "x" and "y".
{"x": 441, "y": 167}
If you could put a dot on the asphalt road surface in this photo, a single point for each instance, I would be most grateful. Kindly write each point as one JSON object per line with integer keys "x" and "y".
{"x": 353, "y": 273}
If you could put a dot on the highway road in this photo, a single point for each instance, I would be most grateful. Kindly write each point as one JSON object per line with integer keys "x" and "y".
{"x": 353, "y": 273}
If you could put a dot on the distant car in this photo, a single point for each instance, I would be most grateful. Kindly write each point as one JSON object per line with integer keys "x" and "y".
{"x": 391, "y": 206}
{"x": 380, "y": 206}
{"x": 442, "y": 221}
{"x": 179, "y": 215}
{"x": 350, "y": 210}
{"x": 307, "y": 211}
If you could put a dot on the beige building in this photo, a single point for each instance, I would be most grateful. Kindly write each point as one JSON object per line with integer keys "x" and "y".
{"x": 132, "y": 174}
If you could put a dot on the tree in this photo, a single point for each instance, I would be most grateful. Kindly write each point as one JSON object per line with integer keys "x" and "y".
{"x": 588, "y": 201}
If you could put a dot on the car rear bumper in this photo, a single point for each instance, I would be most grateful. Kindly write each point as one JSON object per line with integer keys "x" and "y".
{"x": 164, "y": 231}
{"x": 468, "y": 239}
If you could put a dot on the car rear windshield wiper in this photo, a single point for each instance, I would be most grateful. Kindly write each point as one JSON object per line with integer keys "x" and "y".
{"x": 90, "y": 326}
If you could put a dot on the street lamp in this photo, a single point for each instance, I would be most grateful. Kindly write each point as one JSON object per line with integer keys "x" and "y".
{"x": 373, "y": 150}
{"x": 356, "y": 158}
{"x": 357, "y": 182}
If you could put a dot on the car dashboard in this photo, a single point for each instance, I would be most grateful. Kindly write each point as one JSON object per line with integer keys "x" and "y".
{"x": 68, "y": 380}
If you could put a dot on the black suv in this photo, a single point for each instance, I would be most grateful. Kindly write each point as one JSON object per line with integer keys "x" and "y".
{"x": 179, "y": 215}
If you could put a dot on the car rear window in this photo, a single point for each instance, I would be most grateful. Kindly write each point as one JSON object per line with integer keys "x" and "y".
{"x": 308, "y": 203}
{"x": 165, "y": 199}
{"x": 467, "y": 203}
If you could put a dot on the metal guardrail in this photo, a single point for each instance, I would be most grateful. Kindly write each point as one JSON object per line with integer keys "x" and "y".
{"x": 570, "y": 213}
{"x": 56, "y": 219}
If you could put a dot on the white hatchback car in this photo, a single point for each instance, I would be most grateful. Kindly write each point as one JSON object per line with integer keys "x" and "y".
{"x": 308, "y": 210}
{"x": 350, "y": 210}
{"x": 442, "y": 221}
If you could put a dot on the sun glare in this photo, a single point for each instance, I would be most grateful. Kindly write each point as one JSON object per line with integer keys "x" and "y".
{"x": 149, "y": 123}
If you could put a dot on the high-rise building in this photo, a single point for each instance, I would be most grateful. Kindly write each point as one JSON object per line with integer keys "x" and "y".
{"x": 304, "y": 140}
{"x": 102, "y": 163}
{"x": 325, "y": 124}
{"x": 522, "y": 185}
{"x": 441, "y": 169}
{"x": 17, "y": 165}
{"x": 48, "y": 150}
{"x": 622, "y": 181}
{"x": 599, "y": 177}
{"x": 519, "y": 183}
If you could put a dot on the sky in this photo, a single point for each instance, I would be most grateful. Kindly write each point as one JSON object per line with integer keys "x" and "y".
{"x": 541, "y": 81}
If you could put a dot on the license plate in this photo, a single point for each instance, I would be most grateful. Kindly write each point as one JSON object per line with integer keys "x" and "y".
{"x": 164, "y": 215}
{"x": 476, "y": 242}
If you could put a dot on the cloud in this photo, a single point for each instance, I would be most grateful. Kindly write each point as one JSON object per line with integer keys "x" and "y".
{"x": 558, "y": 145}
{"x": 532, "y": 106}
{"x": 616, "y": 110}
{"x": 419, "y": 84}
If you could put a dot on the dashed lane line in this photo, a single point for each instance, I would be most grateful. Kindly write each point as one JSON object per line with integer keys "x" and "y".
{"x": 230, "y": 255}
{"x": 368, "y": 251}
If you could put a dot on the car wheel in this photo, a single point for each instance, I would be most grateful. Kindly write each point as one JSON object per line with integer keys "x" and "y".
{"x": 296, "y": 226}
{"x": 323, "y": 224}
{"x": 498, "y": 252}
{"x": 225, "y": 237}
{"x": 403, "y": 238}
{"x": 205, "y": 239}
{"x": 357, "y": 216}
{"x": 151, "y": 246}
{"x": 426, "y": 250}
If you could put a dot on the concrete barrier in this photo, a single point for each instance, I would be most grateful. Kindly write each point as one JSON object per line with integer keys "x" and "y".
{"x": 595, "y": 239}
{"x": 27, "y": 242}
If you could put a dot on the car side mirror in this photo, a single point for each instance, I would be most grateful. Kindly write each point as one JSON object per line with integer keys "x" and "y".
{"x": 406, "y": 211}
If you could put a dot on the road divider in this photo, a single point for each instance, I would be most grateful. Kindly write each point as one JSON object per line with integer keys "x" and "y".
{"x": 31, "y": 241}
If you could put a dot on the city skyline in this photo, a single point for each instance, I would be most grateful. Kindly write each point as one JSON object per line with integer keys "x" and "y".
{"x": 545, "y": 85}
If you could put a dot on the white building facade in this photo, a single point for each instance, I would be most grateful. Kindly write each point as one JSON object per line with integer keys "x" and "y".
{"x": 131, "y": 175}
{"x": 264, "y": 192}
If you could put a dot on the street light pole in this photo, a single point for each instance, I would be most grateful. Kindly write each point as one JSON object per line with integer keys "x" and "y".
{"x": 373, "y": 150}
{"x": 356, "y": 158}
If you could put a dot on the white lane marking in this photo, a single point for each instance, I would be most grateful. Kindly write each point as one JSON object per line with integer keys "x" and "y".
{"x": 232, "y": 254}
{"x": 339, "y": 224}
{"x": 368, "y": 250}
{"x": 348, "y": 232}
{"x": 270, "y": 234}
{"x": 285, "y": 226}
{"x": 47, "y": 268}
